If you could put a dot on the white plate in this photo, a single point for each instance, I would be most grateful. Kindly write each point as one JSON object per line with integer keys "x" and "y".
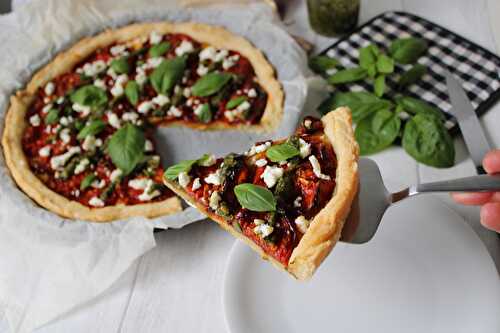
{"x": 425, "y": 271}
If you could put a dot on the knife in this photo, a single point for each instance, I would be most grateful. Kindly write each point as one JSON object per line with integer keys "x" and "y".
{"x": 473, "y": 133}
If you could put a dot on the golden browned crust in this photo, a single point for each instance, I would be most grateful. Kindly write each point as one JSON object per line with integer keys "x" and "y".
{"x": 133, "y": 35}
{"x": 324, "y": 230}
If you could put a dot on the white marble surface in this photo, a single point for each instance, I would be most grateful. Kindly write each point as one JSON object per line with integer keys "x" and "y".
{"x": 177, "y": 286}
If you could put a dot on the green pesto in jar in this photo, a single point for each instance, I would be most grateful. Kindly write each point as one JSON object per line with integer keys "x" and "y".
{"x": 333, "y": 17}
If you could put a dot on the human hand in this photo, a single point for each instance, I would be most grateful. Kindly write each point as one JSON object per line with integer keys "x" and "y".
{"x": 490, "y": 202}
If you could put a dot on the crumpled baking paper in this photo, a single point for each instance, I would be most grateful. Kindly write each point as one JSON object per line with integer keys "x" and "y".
{"x": 50, "y": 265}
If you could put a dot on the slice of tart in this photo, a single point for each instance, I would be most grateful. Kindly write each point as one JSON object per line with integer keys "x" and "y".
{"x": 287, "y": 199}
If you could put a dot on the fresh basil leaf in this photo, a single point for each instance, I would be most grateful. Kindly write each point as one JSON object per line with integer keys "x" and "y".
{"x": 167, "y": 74}
{"x": 416, "y": 106}
{"x": 282, "y": 152}
{"x": 368, "y": 56}
{"x": 379, "y": 86}
{"x": 93, "y": 128}
{"x": 348, "y": 75}
{"x": 159, "y": 49}
{"x": 52, "y": 117}
{"x": 126, "y": 147}
{"x": 361, "y": 104}
{"x": 89, "y": 95}
{"x": 385, "y": 65}
{"x": 372, "y": 70}
{"x": 120, "y": 65}
{"x": 255, "y": 198}
{"x": 132, "y": 92}
{"x": 205, "y": 113}
{"x": 87, "y": 181}
{"x": 173, "y": 171}
{"x": 235, "y": 101}
{"x": 321, "y": 63}
{"x": 210, "y": 84}
{"x": 411, "y": 76}
{"x": 426, "y": 139}
{"x": 79, "y": 124}
{"x": 407, "y": 50}
{"x": 377, "y": 131}
{"x": 204, "y": 160}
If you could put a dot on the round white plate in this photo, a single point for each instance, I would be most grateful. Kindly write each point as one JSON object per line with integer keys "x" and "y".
{"x": 425, "y": 271}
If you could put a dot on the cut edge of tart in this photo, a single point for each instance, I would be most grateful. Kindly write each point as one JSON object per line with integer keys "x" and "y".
{"x": 325, "y": 227}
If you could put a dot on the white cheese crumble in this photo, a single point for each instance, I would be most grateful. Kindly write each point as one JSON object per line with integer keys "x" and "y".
{"x": 186, "y": 92}
{"x": 185, "y": 47}
{"x": 184, "y": 179}
{"x": 118, "y": 88}
{"x": 98, "y": 183}
{"x": 252, "y": 93}
{"x": 196, "y": 184}
{"x": 148, "y": 146}
{"x": 148, "y": 193}
{"x": 144, "y": 107}
{"x": 141, "y": 76}
{"x": 130, "y": 116}
{"x": 297, "y": 203}
{"x": 232, "y": 115}
{"x": 89, "y": 143}
{"x": 92, "y": 69}
{"x": 83, "y": 110}
{"x": 35, "y": 120}
{"x": 160, "y": 100}
{"x": 47, "y": 108}
{"x": 113, "y": 119}
{"x": 155, "y": 37}
{"x": 215, "y": 178}
{"x": 317, "y": 168}
{"x": 208, "y": 162}
{"x": 307, "y": 123}
{"x": 115, "y": 174}
{"x": 197, "y": 111}
{"x": 60, "y": 100}
{"x": 263, "y": 230}
{"x": 221, "y": 55}
{"x": 259, "y": 148}
{"x": 96, "y": 202}
{"x": 302, "y": 223}
{"x": 111, "y": 72}
{"x": 118, "y": 50}
{"x": 81, "y": 166}
{"x": 59, "y": 161}
{"x": 65, "y": 121}
{"x": 304, "y": 148}
{"x": 208, "y": 53}
{"x": 100, "y": 84}
{"x": 153, "y": 62}
{"x": 261, "y": 162}
{"x": 230, "y": 61}
{"x": 44, "y": 151}
{"x": 174, "y": 112}
{"x": 258, "y": 221}
{"x": 201, "y": 70}
{"x": 65, "y": 135}
{"x": 271, "y": 175}
{"x": 214, "y": 200}
{"x": 49, "y": 88}
{"x": 138, "y": 183}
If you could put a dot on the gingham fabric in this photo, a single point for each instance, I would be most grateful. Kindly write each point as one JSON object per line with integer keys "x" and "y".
{"x": 477, "y": 68}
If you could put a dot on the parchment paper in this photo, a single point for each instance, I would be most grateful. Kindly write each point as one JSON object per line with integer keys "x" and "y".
{"x": 49, "y": 265}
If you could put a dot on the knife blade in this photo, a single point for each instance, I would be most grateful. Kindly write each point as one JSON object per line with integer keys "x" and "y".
{"x": 472, "y": 132}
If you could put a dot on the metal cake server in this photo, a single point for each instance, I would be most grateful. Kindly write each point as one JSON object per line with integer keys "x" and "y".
{"x": 374, "y": 198}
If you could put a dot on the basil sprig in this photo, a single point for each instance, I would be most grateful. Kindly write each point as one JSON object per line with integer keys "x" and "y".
{"x": 210, "y": 84}
{"x": 377, "y": 131}
{"x": 159, "y": 49}
{"x": 173, "y": 171}
{"x": 348, "y": 75}
{"x": 407, "y": 50}
{"x": 87, "y": 181}
{"x": 132, "y": 92}
{"x": 320, "y": 64}
{"x": 89, "y": 95}
{"x": 205, "y": 113}
{"x": 255, "y": 198}
{"x": 416, "y": 106}
{"x": 52, "y": 117}
{"x": 411, "y": 76}
{"x": 120, "y": 65}
{"x": 282, "y": 152}
{"x": 93, "y": 128}
{"x": 167, "y": 74}
{"x": 235, "y": 101}
{"x": 126, "y": 147}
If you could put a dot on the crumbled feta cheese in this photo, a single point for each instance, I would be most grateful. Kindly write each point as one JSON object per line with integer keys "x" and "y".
{"x": 297, "y": 203}
{"x": 244, "y": 106}
{"x": 259, "y": 148}
{"x": 148, "y": 193}
{"x": 196, "y": 184}
{"x": 83, "y": 110}
{"x": 44, "y": 151}
{"x": 141, "y": 77}
{"x": 263, "y": 230}
{"x": 96, "y": 202}
{"x": 403, "y": 115}
{"x": 117, "y": 90}
{"x": 302, "y": 223}
{"x": 100, "y": 84}
{"x": 252, "y": 93}
{"x": 197, "y": 111}
{"x": 148, "y": 146}
{"x": 230, "y": 61}
{"x": 202, "y": 70}
{"x": 155, "y": 37}
{"x": 160, "y": 100}
{"x": 49, "y": 88}
{"x": 208, "y": 53}
{"x": 317, "y": 168}
{"x": 65, "y": 121}
{"x": 258, "y": 221}
{"x": 261, "y": 162}
{"x": 232, "y": 115}
{"x": 307, "y": 123}
{"x": 144, "y": 107}
{"x": 111, "y": 72}
{"x": 35, "y": 120}
{"x": 59, "y": 161}
{"x": 271, "y": 175}
{"x": 184, "y": 179}
{"x": 215, "y": 178}
{"x": 208, "y": 161}
{"x": 185, "y": 47}
{"x": 47, "y": 108}
{"x": 221, "y": 55}
{"x": 189, "y": 102}
{"x": 65, "y": 135}
{"x": 98, "y": 183}
{"x": 130, "y": 116}
{"x": 304, "y": 148}
{"x": 118, "y": 50}
{"x": 174, "y": 112}
{"x": 89, "y": 143}
{"x": 215, "y": 199}
{"x": 186, "y": 92}
{"x": 60, "y": 100}
{"x": 113, "y": 119}
{"x": 138, "y": 183}
{"x": 154, "y": 62}
{"x": 81, "y": 166}
{"x": 98, "y": 142}
{"x": 115, "y": 174}
{"x": 92, "y": 69}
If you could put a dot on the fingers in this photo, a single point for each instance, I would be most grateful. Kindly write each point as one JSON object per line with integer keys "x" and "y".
{"x": 490, "y": 216}
{"x": 474, "y": 199}
{"x": 491, "y": 161}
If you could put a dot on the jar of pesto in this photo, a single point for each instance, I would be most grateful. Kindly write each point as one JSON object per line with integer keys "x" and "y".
{"x": 333, "y": 17}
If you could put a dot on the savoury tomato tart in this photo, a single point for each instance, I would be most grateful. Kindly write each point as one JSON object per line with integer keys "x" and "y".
{"x": 287, "y": 199}
{"x": 79, "y": 138}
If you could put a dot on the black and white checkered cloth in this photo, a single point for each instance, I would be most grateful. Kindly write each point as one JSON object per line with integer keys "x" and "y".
{"x": 476, "y": 67}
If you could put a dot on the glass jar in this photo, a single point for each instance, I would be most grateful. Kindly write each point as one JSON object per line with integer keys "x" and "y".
{"x": 333, "y": 17}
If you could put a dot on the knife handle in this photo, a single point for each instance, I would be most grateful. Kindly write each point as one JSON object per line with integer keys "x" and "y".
{"x": 483, "y": 183}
